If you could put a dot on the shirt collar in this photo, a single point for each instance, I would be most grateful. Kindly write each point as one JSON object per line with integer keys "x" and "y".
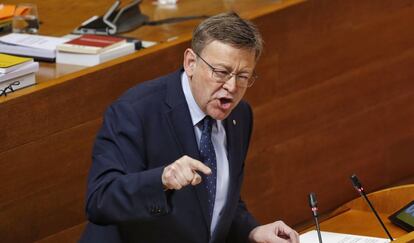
{"x": 196, "y": 113}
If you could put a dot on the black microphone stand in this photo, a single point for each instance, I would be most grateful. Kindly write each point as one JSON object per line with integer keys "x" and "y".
{"x": 358, "y": 186}
{"x": 313, "y": 203}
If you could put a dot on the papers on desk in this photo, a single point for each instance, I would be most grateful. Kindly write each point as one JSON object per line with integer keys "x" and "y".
{"x": 31, "y": 67}
{"x": 14, "y": 84}
{"x": 38, "y": 46}
{"x": 94, "y": 59}
{"x": 19, "y": 78}
{"x": 329, "y": 237}
{"x": 91, "y": 44}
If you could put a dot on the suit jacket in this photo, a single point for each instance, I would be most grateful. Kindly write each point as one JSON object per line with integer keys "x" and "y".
{"x": 146, "y": 129}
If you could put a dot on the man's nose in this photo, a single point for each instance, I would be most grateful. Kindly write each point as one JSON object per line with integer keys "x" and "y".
{"x": 231, "y": 84}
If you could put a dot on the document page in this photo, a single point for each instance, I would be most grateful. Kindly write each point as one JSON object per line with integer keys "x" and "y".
{"x": 329, "y": 237}
{"x": 33, "y": 41}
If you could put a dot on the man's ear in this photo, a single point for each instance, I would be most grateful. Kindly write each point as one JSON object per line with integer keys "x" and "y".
{"x": 189, "y": 62}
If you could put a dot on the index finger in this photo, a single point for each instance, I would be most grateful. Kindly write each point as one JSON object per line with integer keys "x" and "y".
{"x": 199, "y": 166}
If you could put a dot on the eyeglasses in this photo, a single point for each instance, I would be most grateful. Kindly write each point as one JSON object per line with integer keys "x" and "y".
{"x": 222, "y": 75}
{"x": 9, "y": 88}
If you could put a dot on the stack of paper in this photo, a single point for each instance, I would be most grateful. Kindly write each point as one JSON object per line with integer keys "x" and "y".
{"x": 16, "y": 73}
{"x": 37, "y": 46}
{"x": 91, "y": 44}
{"x": 329, "y": 237}
{"x": 91, "y": 50}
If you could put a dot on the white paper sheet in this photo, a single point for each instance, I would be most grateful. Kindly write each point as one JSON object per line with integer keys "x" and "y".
{"x": 329, "y": 237}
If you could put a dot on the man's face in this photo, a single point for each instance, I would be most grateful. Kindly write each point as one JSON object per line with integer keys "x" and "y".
{"x": 218, "y": 99}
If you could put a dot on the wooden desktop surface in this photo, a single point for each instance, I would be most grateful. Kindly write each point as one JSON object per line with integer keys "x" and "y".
{"x": 61, "y": 17}
{"x": 334, "y": 97}
{"x": 355, "y": 217}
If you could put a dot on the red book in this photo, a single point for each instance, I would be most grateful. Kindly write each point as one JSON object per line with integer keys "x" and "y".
{"x": 91, "y": 44}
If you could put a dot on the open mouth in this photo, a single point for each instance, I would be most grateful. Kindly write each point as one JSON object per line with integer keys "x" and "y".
{"x": 225, "y": 100}
{"x": 225, "y": 103}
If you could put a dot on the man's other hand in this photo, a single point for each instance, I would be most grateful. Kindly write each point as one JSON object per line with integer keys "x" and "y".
{"x": 183, "y": 172}
{"x": 277, "y": 232}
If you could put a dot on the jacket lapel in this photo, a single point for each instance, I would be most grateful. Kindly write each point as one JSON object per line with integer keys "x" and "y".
{"x": 234, "y": 151}
{"x": 181, "y": 126}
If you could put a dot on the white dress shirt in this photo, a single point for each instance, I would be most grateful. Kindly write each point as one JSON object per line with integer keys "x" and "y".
{"x": 218, "y": 137}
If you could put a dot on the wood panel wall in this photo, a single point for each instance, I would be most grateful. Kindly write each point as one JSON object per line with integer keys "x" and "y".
{"x": 334, "y": 97}
{"x": 46, "y": 152}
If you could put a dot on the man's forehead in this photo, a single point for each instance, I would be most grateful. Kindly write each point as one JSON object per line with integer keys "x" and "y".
{"x": 224, "y": 43}
{"x": 228, "y": 55}
{"x": 218, "y": 47}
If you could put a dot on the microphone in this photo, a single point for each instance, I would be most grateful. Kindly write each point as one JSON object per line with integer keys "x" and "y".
{"x": 313, "y": 203}
{"x": 358, "y": 186}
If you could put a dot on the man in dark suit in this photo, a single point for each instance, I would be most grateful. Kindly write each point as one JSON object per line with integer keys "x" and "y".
{"x": 168, "y": 161}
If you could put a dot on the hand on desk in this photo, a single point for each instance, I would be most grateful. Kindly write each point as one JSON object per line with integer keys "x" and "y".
{"x": 183, "y": 172}
{"x": 277, "y": 232}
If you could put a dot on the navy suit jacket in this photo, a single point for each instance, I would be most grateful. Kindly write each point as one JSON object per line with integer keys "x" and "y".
{"x": 146, "y": 129}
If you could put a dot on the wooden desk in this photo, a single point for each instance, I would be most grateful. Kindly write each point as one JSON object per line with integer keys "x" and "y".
{"x": 61, "y": 17}
{"x": 334, "y": 97}
{"x": 355, "y": 217}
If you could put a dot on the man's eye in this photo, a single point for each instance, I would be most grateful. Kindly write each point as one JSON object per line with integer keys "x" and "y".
{"x": 243, "y": 78}
{"x": 221, "y": 73}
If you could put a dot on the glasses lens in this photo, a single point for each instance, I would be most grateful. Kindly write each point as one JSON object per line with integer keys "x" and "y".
{"x": 221, "y": 75}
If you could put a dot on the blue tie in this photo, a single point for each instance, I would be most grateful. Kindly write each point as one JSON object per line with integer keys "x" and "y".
{"x": 208, "y": 156}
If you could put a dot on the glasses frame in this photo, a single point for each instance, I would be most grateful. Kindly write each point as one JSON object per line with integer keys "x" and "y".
{"x": 214, "y": 71}
{"x": 9, "y": 87}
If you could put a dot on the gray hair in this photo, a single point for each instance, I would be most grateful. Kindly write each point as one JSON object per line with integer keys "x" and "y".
{"x": 228, "y": 28}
